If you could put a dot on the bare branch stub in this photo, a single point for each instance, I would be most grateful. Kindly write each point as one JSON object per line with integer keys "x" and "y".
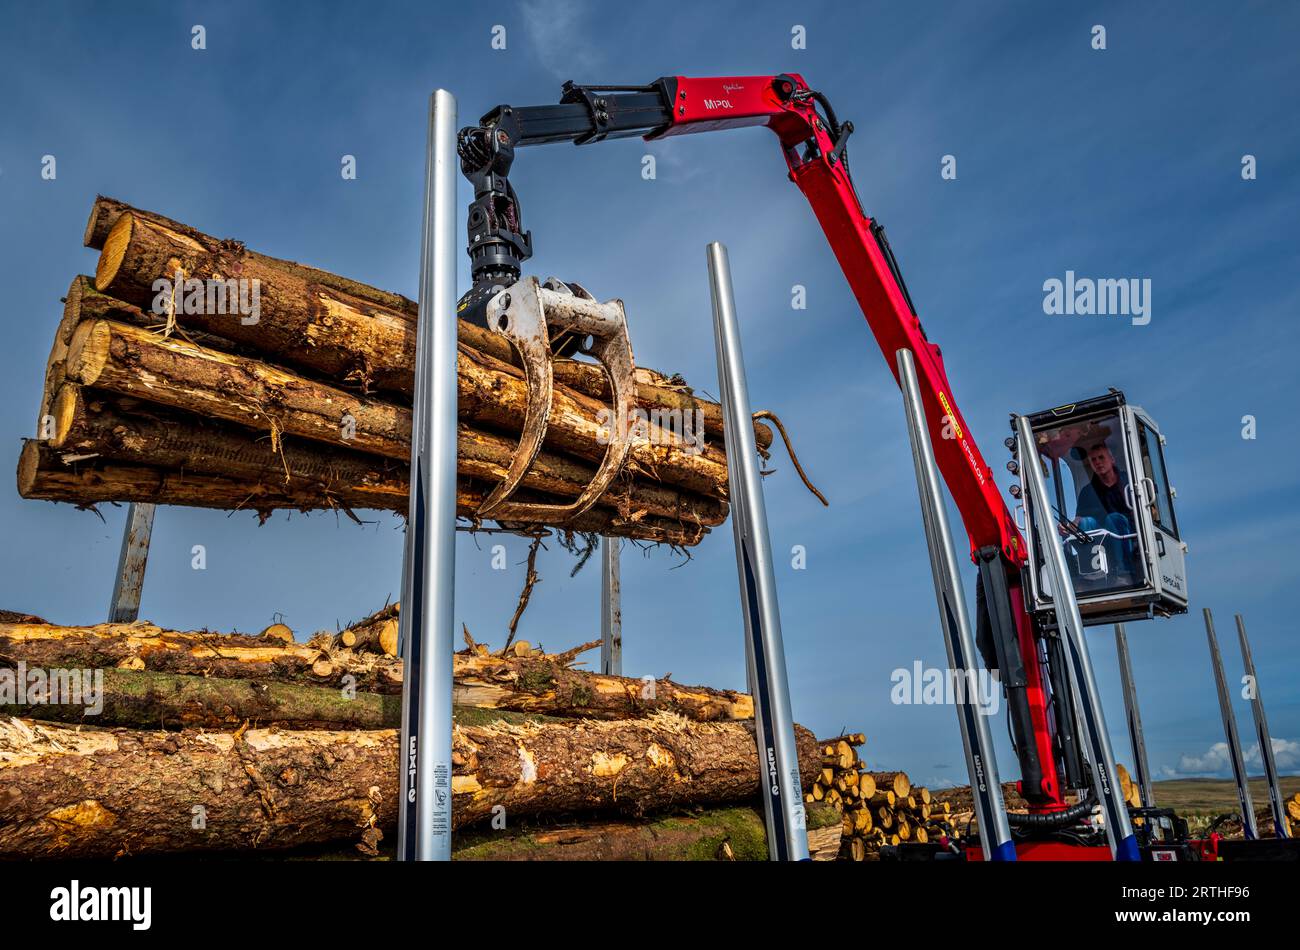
{"x": 530, "y": 580}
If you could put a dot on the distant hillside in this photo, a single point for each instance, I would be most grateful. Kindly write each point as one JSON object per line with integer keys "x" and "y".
{"x": 1215, "y": 796}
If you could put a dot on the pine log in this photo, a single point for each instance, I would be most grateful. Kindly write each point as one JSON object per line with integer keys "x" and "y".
{"x": 897, "y": 782}
{"x": 134, "y": 362}
{"x": 376, "y": 633}
{"x": 303, "y": 323}
{"x": 85, "y": 303}
{"x": 91, "y": 423}
{"x": 140, "y": 699}
{"x": 45, "y": 475}
{"x": 634, "y": 765}
{"x": 338, "y": 301}
{"x": 70, "y": 792}
{"x": 535, "y": 683}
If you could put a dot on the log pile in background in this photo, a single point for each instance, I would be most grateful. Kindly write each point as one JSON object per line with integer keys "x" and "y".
{"x": 876, "y": 808}
{"x": 285, "y": 744}
{"x": 309, "y": 407}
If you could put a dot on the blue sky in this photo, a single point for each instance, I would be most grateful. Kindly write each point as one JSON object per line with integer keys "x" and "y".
{"x": 1117, "y": 163}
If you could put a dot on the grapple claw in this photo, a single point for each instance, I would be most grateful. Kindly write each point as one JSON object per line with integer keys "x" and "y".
{"x": 531, "y": 316}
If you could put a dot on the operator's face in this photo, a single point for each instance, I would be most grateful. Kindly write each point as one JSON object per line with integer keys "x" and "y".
{"x": 1102, "y": 462}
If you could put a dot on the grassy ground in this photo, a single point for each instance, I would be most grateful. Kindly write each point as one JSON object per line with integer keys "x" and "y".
{"x": 1213, "y": 796}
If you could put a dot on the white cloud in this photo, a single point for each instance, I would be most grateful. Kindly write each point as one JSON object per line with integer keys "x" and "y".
{"x": 557, "y": 31}
{"x": 1217, "y": 762}
{"x": 1286, "y": 755}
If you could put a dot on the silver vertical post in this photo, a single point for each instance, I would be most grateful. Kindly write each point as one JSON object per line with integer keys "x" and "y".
{"x": 611, "y": 609}
{"x": 958, "y": 641}
{"x": 787, "y": 836}
{"x": 1275, "y": 801}
{"x": 1230, "y": 731}
{"x": 429, "y": 565}
{"x": 131, "y": 561}
{"x": 1083, "y": 683}
{"x": 1136, "y": 737}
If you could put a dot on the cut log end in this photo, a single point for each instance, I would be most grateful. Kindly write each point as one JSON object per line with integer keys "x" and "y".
{"x": 29, "y": 467}
{"x": 64, "y": 408}
{"x": 110, "y": 259}
{"x": 279, "y": 632}
{"x": 88, "y": 351}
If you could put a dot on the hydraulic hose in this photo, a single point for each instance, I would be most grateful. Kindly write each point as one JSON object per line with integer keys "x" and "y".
{"x": 1056, "y": 819}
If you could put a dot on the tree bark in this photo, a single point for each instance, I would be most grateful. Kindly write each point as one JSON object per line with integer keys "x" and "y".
{"x": 78, "y": 792}
{"x": 127, "y": 360}
{"x": 896, "y": 782}
{"x": 43, "y": 474}
{"x": 376, "y": 633}
{"x": 302, "y": 322}
{"x": 140, "y": 699}
{"x": 179, "y": 243}
{"x": 540, "y": 683}
{"x": 90, "y": 423}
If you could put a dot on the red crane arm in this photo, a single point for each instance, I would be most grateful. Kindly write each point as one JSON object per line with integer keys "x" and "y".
{"x": 863, "y": 254}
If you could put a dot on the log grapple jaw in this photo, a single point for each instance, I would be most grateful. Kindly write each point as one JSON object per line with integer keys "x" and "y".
{"x": 537, "y": 318}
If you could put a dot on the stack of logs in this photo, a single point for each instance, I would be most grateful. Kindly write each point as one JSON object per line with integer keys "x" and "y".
{"x": 151, "y": 396}
{"x": 876, "y": 808}
{"x": 198, "y": 741}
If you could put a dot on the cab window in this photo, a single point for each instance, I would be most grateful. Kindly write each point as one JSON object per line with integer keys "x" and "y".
{"x": 1153, "y": 468}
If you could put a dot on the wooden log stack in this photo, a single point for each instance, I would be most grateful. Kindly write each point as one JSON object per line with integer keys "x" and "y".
{"x": 876, "y": 808}
{"x": 276, "y": 743}
{"x": 184, "y": 398}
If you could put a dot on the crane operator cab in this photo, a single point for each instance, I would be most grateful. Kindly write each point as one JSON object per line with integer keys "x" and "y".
{"x": 1109, "y": 493}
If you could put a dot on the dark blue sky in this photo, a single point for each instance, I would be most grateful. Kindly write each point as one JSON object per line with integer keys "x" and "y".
{"x": 1117, "y": 163}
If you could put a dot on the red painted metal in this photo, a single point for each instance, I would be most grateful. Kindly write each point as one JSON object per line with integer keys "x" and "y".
{"x": 739, "y": 101}
{"x": 1050, "y": 851}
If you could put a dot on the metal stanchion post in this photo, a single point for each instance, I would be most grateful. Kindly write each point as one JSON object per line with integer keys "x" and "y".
{"x": 981, "y": 761}
{"x": 1135, "y": 735}
{"x": 429, "y": 565}
{"x": 1275, "y": 801}
{"x": 1083, "y": 683}
{"x": 783, "y": 808}
{"x": 611, "y": 608}
{"x": 1230, "y": 730}
{"x": 125, "y": 606}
